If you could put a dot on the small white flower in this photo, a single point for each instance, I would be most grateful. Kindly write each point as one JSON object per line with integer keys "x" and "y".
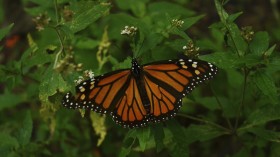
{"x": 177, "y": 22}
{"x": 129, "y": 30}
{"x": 80, "y": 79}
{"x": 89, "y": 73}
{"x": 184, "y": 47}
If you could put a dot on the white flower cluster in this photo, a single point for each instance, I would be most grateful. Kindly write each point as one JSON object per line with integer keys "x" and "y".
{"x": 129, "y": 30}
{"x": 80, "y": 79}
{"x": 177, "y": 22}
{"x": 89, "y": 73}
{"x": 191, "y": 48}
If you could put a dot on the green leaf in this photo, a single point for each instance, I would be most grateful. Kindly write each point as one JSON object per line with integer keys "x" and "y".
{"x": 143, "y": 135}
{"x": 87, "y": 43}
{"x": 188, "y": 22}
{"x": 260, "y": 43}
{"x": 160, "y": 9}
{"x": 250, "y": 60}
{"x": 179, "y": 147}
{"x": 158, "y": 134}
{"x": 51, "y": 83}
{"x": 201, "y": 133}
{"x": 25, "y": 132}
{"x": 266, "y": 85}
{"x": 222, "y": 13}
{"x": 30, "y": 59}
{"x": 224, "y": 60}
{"x": 9, "y": 100}
{"x": 5, "y": 31}
{"x": 137, "y": 7}
{"x": 98, "y": 124}
{"x": 270, "y": 50}
{"x": 233, "y": 17}
{"x": 261, "y": 116}
{"x": 7, "y": 143}
{"x": 235, "y": 40}
{"x": 86, "y": 12}
{"x": 243, "y": 152}
{"x": 128, "y": 142}
{"x": 266, "y": 134}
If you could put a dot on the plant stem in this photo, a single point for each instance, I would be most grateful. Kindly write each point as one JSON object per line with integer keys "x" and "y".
{"x": 56, "y": 12}
{"x": 246, "y": 72}
{"x": 60, "y": 49}
{"x": 58, "y": 34}
{"x": 221, "y": 108}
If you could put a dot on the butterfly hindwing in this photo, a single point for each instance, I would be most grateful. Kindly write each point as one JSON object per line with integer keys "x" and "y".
{"x": 130, "y": 111}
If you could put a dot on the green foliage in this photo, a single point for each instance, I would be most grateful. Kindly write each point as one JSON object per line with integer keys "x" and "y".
{"x": 239, "y": 107}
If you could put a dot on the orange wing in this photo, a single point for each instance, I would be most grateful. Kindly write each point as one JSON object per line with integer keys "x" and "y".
{"x": 100, "y": 93}
{"x": 130, "y": 111}
{"x": 136, "y": 96}
{"x": 167, "y": 82}
{"x": 116, "y": 92}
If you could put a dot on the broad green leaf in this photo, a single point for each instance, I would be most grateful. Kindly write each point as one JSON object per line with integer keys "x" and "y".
{"x": 5, "y": 31}
{"x": 138, "y": 8}
{"x": 222, "y": 13}
{"x": 266, "y": 134}
{"x": 117, "y": 22}
{"x": 86, "y": 43}
{"x": 9, "y": 100}
{"x": 224, "y": 60}
{"x": 233, "y": 17}
{"x": 243, "y": 152}
{"x": 235, "y": 40}
{"x": 201, "y": 133}
{"x": 270, "y": 50}
{"x": 260, "y": 43}
{"x": 128, "y": 142}
{"x": 51, "y": 83}
{"x": 158, "y": 134}
{"x": 25, "y": 132}
{"x": 250, "y": 60}
{"x": 160, "y": 9}
{"x": 266, "y": 85}
{"x": 143, "y": 135}
{"x": 275, "y": 149}
{"x": 180, "y": 33}
{"x": 177, "y": 44}
{"x": 179, "y": 147}
{"x": 261, "y": 116}
{"x": 188, "y": 22}
{"x": 86, "y": 12}
{"x": 7, "y": 143}
{"x": 98, "y": 124}
{"x": 30, "y": 59}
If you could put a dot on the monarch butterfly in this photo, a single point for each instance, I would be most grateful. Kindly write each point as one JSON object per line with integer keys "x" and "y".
{"x": 143, "y": 94}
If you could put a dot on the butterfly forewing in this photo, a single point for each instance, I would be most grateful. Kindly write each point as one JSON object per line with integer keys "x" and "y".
{"x": 167, "y": 82}
{"x": 98, "y": 93}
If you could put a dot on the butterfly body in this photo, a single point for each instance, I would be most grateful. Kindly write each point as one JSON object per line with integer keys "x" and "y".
{"x": 142, "y": 94}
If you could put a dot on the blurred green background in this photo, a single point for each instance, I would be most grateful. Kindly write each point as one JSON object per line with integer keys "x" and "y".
{"x": 46, "y": 45}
